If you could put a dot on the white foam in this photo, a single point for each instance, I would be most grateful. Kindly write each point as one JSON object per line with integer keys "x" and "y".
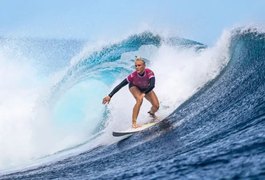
{"x": 27, "y": 127}
{"x": 18, "y": 91}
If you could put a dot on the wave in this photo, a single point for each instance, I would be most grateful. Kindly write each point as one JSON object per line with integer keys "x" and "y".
{"x": 212, "y": 100}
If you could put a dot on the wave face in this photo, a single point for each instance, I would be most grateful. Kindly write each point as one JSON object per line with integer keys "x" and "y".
{"x": 213, "y": 126}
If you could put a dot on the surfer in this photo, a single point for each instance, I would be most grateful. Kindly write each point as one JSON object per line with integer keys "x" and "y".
{"x": 141, "y": 84}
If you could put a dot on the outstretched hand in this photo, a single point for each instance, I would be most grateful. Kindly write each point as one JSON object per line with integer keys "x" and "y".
{"x": 106, "y": 100}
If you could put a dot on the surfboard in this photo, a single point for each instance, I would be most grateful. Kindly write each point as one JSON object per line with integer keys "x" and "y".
{"x": 131, "y": 131}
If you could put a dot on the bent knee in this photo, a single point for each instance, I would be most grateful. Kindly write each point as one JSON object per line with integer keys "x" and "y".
{"x": 139, "y": 100}
{"x": 156, "y": 106}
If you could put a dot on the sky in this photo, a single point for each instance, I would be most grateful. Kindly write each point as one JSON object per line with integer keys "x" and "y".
{"x": 199, "y": 20}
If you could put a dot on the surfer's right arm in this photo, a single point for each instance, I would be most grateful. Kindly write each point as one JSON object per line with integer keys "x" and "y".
{"x": 106, "y": 99}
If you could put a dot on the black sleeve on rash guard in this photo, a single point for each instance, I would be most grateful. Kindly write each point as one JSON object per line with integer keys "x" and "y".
{"x": 118, "y": 87}
{"x": 151, "y": 85}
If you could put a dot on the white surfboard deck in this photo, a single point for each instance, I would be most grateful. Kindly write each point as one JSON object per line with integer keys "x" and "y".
{"x": 131, "y": 131}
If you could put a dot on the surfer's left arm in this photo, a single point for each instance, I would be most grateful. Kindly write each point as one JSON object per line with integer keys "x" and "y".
{"x": 151, "y": 85}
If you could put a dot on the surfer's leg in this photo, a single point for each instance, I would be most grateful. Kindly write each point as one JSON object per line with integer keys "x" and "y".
{"x": 139, "y": 100}
{"x": 152, "y": 98}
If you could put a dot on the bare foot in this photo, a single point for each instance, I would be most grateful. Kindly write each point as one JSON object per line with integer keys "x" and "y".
{"x": 136, "y": 126}
{"x": 155, "y": 120}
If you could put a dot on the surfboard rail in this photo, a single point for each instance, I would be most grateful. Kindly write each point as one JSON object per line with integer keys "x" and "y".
{"x": 133, "y": 130}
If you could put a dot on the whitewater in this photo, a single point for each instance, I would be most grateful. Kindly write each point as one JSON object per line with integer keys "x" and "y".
{"x": 53, "y": 124}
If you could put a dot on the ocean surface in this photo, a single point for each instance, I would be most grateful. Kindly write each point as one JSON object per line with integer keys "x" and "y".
{"x": 212, "y": 102}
